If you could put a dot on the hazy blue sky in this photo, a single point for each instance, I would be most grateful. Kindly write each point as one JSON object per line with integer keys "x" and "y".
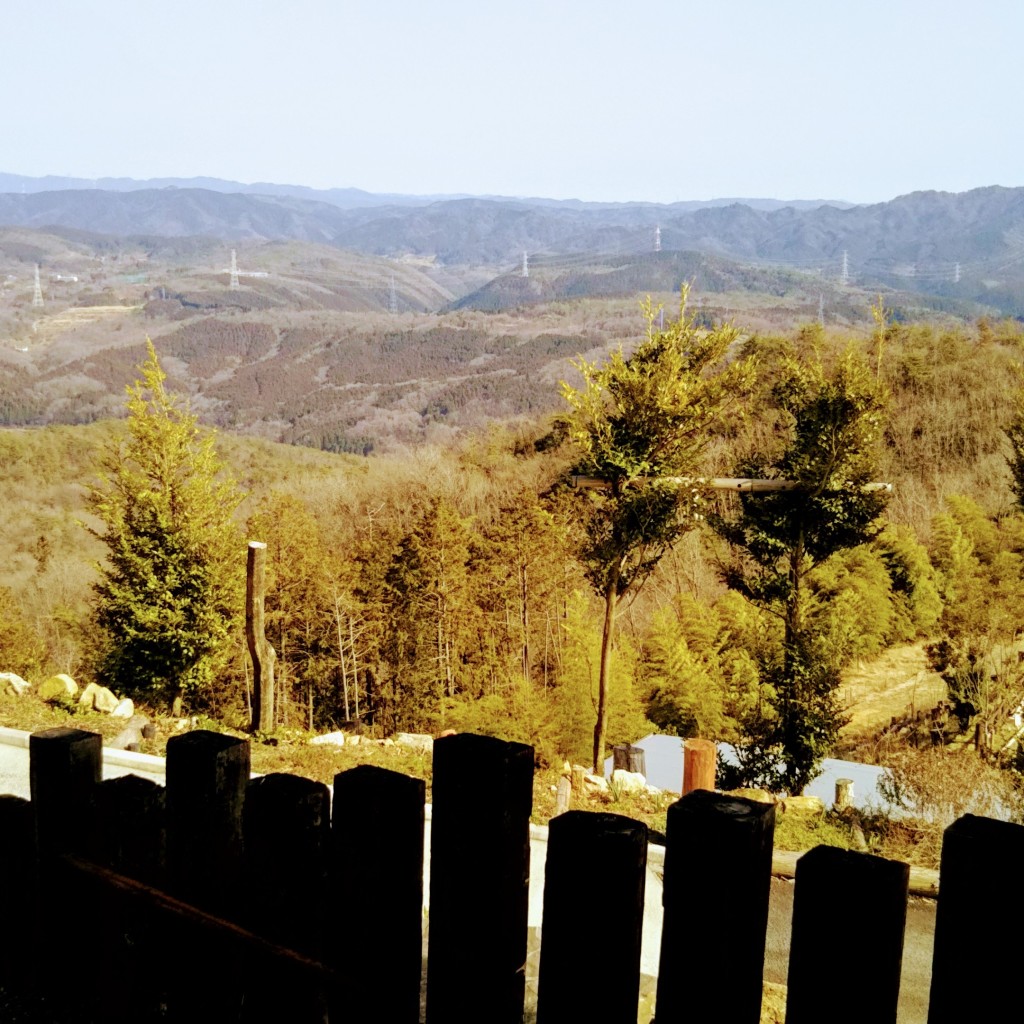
{"x": 650, "y": 99}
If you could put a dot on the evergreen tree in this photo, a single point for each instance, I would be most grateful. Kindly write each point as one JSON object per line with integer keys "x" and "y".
{"x": 829, "y": 431}
{"x": 172, "y": 589}
{"x": 638, "y": 423}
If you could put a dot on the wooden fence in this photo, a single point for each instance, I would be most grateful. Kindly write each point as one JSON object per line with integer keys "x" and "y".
{"x": 220, "y": 898}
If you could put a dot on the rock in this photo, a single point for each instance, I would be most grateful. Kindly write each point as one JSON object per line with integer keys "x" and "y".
{"x": 352, "y": 739}
{"x": 129, "y": 738}
{"x": 99, "y": 698}
{"x": 628, "y": 782}
{"x": 415, "y": 741}
{"x": 11, "y": 683}
{"x": 125, "y": 709}
{"x": 762, "y": 796}
{"x": 811, "y": 806}
{"x": 653, "y": 791}
{"x": 596, "y": 782}
{"x": 58, "y": 687}
{"x": 329, "y": 739}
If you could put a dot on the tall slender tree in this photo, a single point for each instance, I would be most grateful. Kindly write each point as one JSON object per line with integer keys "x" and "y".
{"x": 637, "y": 422}
{"x": 171, "y": 590}
{"x": 827, "y": 442}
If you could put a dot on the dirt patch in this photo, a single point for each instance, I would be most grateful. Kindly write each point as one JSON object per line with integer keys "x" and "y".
{"x": 896, "y": 683}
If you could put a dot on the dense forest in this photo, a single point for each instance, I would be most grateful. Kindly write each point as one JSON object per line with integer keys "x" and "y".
{"x": 444, "y": 588}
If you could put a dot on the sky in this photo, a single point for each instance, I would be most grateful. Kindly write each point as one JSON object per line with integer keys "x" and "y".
{"x": 647, "y": 100}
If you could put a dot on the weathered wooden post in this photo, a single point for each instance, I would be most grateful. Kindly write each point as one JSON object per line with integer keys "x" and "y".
{"x": 563, "y": 795}
{"x": 699, "y": 765}
{"x": 844, "y": 794}
{"x": 593, "y": 884}
{"x": 260, "y": 649}
{"x": 848, "y": 908}
{"x": 377, "y": 881}
{"x": 975, "y": 956}
{"x": 479, "y": 880}
{"x": 718, "y": 864}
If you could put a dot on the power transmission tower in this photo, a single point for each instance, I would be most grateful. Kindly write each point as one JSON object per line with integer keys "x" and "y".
{"x": 234, "y": 271}
{"x": 37, "y": 294}
{"x": 392, "y": 297}
{"x": 821, "y": 309}
{"x": 526, "y": 266}
{"x": 845, "y": 276}
{"x": 956, "y": 273}
{"x": 657, "y": 238}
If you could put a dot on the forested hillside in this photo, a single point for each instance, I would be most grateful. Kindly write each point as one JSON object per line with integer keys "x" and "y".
{"x": 442, "y": 587}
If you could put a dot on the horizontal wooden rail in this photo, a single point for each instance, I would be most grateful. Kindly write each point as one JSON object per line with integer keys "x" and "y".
{"x": 717, "y": 483}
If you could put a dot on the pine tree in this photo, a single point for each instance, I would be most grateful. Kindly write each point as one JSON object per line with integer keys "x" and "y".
{"x": 831, "y": 426}
{"x": 171, "y": 591}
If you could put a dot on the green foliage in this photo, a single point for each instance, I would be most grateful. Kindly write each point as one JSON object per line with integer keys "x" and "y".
{"x": 637, "y": 423}
{"x": 980, "y": 563}
{"x": 699, "y": 681}
{"x": 170, "y": 593}
{"x": 830, "y": 426}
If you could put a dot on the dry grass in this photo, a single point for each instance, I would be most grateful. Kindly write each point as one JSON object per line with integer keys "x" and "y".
{"x": 897, "y": 682}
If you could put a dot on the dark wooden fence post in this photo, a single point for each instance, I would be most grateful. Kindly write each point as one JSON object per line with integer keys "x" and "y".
{"x": 849, "y": 909}
{"x": 130, "y": 833}
{"x": 377, "y": 881}
{"x": 593, "y": 885}
{"x": 65, "y": 767}
{"x": 17, "y": 890}
{"x": 479, "y": 880}
{"x": 718, "y": 863}
{"x": 207, "y": 774}
{"x": 287, "y": 833}
{"x": 977, "y": 941}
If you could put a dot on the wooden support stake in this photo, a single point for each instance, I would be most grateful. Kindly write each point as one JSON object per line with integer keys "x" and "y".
{"x": 844, "y": 794}
{"x": 377, "y": 881}
{"x": 848, "y": 908}
{"x": 699, "y": 765}
{"x": 593, "y": 885}
{"x": 718, "y": 863}
{"x": 980, "y": 872}
{"x": 479, "y": 880}
{"x": 563, "y": 795}
{"x": 260, "y": 650}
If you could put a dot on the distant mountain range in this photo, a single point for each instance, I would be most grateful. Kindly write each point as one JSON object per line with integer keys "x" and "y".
{"x": 966, "y": 246}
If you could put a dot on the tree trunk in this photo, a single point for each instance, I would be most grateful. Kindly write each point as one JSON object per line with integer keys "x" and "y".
{"x": 610, "y": 600}
{"x": 260, "y": 649}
